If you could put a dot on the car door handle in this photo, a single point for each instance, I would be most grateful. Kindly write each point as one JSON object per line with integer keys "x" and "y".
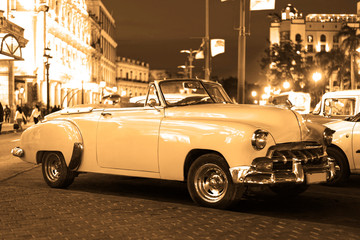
{"x": 358, "y": 151}
{"x": 105, "y": 114}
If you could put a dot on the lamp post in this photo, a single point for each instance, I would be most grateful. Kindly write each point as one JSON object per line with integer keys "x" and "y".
{"x": 47, "y": 56}
{"x": 207, "y": 41}
{"x": 316, "y": 77}
{"x": 102, "y": 85}
{"x": 191, "y": 59}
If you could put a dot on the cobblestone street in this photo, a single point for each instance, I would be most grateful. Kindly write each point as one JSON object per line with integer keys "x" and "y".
{"x": 112, "y": 207}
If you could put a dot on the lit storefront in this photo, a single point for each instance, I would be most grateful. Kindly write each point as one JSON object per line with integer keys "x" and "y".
{"x": 12, "y": 42}
{"x": 64, "y": 60}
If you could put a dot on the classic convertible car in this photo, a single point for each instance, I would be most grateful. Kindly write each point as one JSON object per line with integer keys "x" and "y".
{"x": 345, "y": 148}
{"x": 186, "y": 130}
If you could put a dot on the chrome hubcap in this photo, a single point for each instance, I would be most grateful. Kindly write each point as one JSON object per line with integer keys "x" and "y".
{"x": 53, "y": 167}
{"x": 211, "y": 183}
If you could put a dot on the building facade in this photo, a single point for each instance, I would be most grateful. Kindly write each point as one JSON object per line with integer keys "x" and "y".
{"x": 315, "y": 32}
{"x": 70, "y": 52}
{"x": 106, "y": 74}
{"x": 132, "y": 77}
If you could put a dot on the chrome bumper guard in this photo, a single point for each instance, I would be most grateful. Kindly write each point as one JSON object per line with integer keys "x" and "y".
{"x": 300, "y": 165}
{"x": 17, "y": 152}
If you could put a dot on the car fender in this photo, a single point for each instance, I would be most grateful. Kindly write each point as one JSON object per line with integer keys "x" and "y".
{"x": 61, "y": 135}
{"x": 231, "y": 140}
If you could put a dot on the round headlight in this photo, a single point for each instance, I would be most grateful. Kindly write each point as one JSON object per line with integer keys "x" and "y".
{"x": 328, "y": 136}
{"x": 259, "y": 139}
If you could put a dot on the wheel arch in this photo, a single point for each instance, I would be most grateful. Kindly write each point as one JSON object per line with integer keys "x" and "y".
{"x": 342, "y": 152}
{"x": 59, "y": 135}
{"x": 193, "y": 155}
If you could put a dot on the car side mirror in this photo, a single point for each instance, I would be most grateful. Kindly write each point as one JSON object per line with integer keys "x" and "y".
{"x": 152, "y": 102}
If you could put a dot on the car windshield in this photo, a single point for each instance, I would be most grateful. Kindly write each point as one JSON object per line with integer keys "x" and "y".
{"x": 190, "y": 92}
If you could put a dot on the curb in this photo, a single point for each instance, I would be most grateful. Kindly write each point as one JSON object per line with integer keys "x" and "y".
{"x": 18, "y": 173}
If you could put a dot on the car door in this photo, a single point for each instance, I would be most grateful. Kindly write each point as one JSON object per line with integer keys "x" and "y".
{"x": 356, "y": 144}
{"x": 127, "y": 138}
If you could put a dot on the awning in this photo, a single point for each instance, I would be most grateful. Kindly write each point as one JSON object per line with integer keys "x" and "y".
{"x": 10, "y": 48}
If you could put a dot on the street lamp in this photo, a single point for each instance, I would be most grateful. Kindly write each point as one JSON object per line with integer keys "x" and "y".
{"x": 191, "y": 59}
{"x": 316, "y": 77}
{"x": 102, "y": 85}
{"x": 286, "y": 85}
{"x": 47, "y": 56}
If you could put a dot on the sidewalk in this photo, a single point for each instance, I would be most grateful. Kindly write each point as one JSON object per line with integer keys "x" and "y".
{"x": 8, "y": 127}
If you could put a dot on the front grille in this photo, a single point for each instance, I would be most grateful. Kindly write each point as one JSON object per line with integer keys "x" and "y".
{"x": 310, "y": 155}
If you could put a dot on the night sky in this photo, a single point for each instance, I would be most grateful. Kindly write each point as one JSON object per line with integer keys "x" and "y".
{"x": 155, "y": 31}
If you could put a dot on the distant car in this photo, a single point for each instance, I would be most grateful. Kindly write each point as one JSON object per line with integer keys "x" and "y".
{"x": 335, "y": 106}
{"x": 185, "y": 130}
{"x": 297, "y": 101}
{"x": 345, "y": 148}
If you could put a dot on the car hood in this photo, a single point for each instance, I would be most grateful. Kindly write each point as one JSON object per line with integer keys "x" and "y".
{"x": 284, "y": 125}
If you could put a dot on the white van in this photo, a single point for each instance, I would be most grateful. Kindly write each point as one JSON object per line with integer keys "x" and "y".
{"x": 336, "y": 105}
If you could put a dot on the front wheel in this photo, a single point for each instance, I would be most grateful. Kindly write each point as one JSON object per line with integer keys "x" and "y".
{"x": 55, "y": 172}
{"x": 210, "y": 184}
{"x": 342, "y": 170}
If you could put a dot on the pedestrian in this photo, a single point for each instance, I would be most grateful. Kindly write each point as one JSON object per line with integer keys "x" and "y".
{"x": 36, "y": 114}
{"x": 1, "y": 116}
{"x": 7, "y": 112}
{"x": 19, "y": 117}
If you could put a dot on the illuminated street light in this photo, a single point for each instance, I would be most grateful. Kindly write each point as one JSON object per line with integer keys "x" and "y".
{"x": 254, "y": 93}
{"x": 316, "y": 76}
{"x": 191, "y": 59}
{"x": 286, "y": 85}
{"x": 47, "y": 56}
{"x": 102, "y": 85}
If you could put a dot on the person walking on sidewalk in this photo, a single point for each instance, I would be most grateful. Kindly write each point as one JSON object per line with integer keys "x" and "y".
{"x": 7, "y": 112}
{"x": 1, "y": 116}
{"x": 19, "y": 117}
{"x": 36, "y": 114}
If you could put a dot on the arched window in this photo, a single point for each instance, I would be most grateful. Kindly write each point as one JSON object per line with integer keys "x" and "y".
{"x": 310, "y": 38}
{"x": 322, "y": 38}
{"x": 298, "y": 37}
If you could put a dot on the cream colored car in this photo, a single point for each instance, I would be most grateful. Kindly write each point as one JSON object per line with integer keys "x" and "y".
{"x": 345, "y": 148}
{"x": 186, "y": 130}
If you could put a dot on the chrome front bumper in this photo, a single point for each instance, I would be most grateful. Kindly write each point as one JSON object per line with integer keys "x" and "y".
{"x": 17, "y": 152}
{"x": 288, "y": 163}
{"x": 298, "y": 174}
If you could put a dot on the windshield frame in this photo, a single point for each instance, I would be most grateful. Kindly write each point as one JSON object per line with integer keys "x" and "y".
{"x": 226, "y": 98}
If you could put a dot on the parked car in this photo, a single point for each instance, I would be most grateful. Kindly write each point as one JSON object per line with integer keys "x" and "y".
{"x": 345, "y": 148}
{"x": 297, "y": 101}
{"x": 335, "y": 106}
{"x": 218, "y": 147}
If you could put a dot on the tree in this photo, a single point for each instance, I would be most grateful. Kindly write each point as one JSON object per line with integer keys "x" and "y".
{"x": 350, "y": 44}
{"x": 332, "y": 62}
{"x": 285, "y": 62}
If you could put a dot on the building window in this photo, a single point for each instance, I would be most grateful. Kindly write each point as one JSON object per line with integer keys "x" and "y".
{"x": 298, "y": 38}
{"x": 310, "y": 39}
{"x": 310, "y": 48}
{"x": 13, "y": 5}
{"x": 285, "y": 35}
{"x": 336, "y": 39}
{"x": 322, "y": 38}
{"x": 323, "y": 48}
{"x": 309, "y": 59}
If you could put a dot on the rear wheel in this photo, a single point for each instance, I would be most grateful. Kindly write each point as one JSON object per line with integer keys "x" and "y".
{"x": 342, "y": 170}
{"x": 55, "y": 172}
{"x": 210, "y": 184}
